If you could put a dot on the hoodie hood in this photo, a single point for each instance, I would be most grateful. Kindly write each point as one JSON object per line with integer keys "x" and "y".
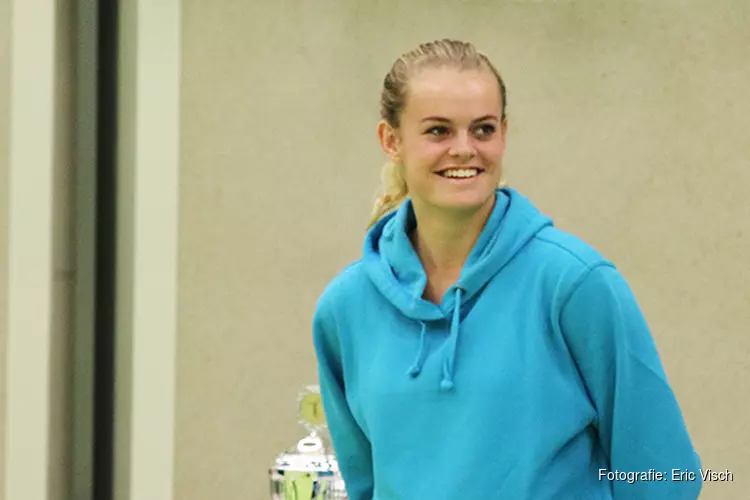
{"x": 393, "y": 266}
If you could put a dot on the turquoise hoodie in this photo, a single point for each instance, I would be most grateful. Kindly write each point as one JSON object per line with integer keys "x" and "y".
{"x": 535, "y": 378}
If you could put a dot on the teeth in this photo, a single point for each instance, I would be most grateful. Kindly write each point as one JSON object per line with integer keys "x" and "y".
{"x": 461, "y": 172}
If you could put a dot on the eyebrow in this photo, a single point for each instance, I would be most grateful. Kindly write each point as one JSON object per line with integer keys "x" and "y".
{"x": 446, "y": 120}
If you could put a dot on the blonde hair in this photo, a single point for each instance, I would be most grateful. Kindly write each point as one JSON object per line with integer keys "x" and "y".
{"x": 462, "y": 55}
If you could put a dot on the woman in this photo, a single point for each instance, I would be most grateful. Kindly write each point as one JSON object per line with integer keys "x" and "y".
{"x": 475, "y": 351}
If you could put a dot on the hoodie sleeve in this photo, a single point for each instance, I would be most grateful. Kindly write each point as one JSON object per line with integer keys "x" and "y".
{"x": 351, "y": 446}
{"x": 640, "y": 424}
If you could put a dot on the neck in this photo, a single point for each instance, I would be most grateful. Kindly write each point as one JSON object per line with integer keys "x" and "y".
{"x": 443, "y": 241}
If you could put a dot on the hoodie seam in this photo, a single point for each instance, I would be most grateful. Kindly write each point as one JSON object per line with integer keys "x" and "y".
{"x": 589, "y": 269}
{"x": 330, "y": 313}
{"x": 574, "y": 287}
{"x": 581, "y": 260}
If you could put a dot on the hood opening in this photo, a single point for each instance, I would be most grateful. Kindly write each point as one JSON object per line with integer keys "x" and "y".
{"x": 394, "y": 268}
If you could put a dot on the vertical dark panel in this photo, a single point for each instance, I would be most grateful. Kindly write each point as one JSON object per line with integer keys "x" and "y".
{"x": 85, "y": 55}
{"x": 106, "y": 257}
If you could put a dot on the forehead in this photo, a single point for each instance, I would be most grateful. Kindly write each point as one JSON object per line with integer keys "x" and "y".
{"x": 453, "y": 94}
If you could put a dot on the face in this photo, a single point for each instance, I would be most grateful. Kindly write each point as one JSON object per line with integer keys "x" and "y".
{"x": 451, "y": 139}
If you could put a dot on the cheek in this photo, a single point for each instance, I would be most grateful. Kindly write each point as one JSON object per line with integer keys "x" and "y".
{"x": 494, "y": 151}
{"x": 429, "y": 150}
{"x": 423, "y": 153}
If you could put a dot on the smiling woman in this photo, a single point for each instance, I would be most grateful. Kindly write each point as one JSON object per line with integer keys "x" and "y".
{"x": 450, "y": 128}
{"x": 475, "y": 350}
{"x": 443, "y": 108}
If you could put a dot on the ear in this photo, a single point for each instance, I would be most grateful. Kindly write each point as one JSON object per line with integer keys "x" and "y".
{"x": 388, "y": 140}
{"x": 504, "y": 129}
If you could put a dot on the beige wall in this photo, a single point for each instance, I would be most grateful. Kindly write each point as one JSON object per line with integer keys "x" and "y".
{"x": 4, "y": 158}
{"x": 628, "y": 125}
{"x": 39, "y": 376}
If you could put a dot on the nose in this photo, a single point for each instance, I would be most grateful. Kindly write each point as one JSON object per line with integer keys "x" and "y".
{"x": 462, "y": 147}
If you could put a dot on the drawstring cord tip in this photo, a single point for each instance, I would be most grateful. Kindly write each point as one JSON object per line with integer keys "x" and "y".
{"x": 446, "y": 385}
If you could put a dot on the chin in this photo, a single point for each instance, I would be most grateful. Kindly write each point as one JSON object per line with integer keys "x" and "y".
{"x": 464, "y": 202}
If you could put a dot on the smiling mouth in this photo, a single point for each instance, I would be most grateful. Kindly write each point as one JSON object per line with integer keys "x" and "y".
{"x": 460, "y": 173}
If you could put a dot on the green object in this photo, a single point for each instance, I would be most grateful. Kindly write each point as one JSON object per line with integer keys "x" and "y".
{"x": 299, "y": 486}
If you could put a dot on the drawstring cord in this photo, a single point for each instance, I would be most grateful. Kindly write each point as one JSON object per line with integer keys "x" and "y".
{"x": 416, "y": 368}
{"x": 447, "y": 383}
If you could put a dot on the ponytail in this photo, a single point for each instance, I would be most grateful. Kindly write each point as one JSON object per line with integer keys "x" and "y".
{"x": 394, "y": 191}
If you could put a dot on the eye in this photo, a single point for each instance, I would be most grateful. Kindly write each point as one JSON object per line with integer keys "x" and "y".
{"x": 437, "y": 131}
{"x": 485, "y": 131}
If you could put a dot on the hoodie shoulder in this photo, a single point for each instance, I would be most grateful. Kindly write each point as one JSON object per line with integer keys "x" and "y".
{"x": 341, "y": 286}
{"x": 568, "y": 248}
{"x": 563, "y": 261}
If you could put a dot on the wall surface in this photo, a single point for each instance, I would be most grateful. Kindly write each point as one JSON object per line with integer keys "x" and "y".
{"x": 4, "y": 159}
{"x": 36, "y": 119}
{"x": 629, "y": 126}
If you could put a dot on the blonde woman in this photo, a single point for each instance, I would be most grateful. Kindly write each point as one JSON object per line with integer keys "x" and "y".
{"x": 475, "y": 351}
